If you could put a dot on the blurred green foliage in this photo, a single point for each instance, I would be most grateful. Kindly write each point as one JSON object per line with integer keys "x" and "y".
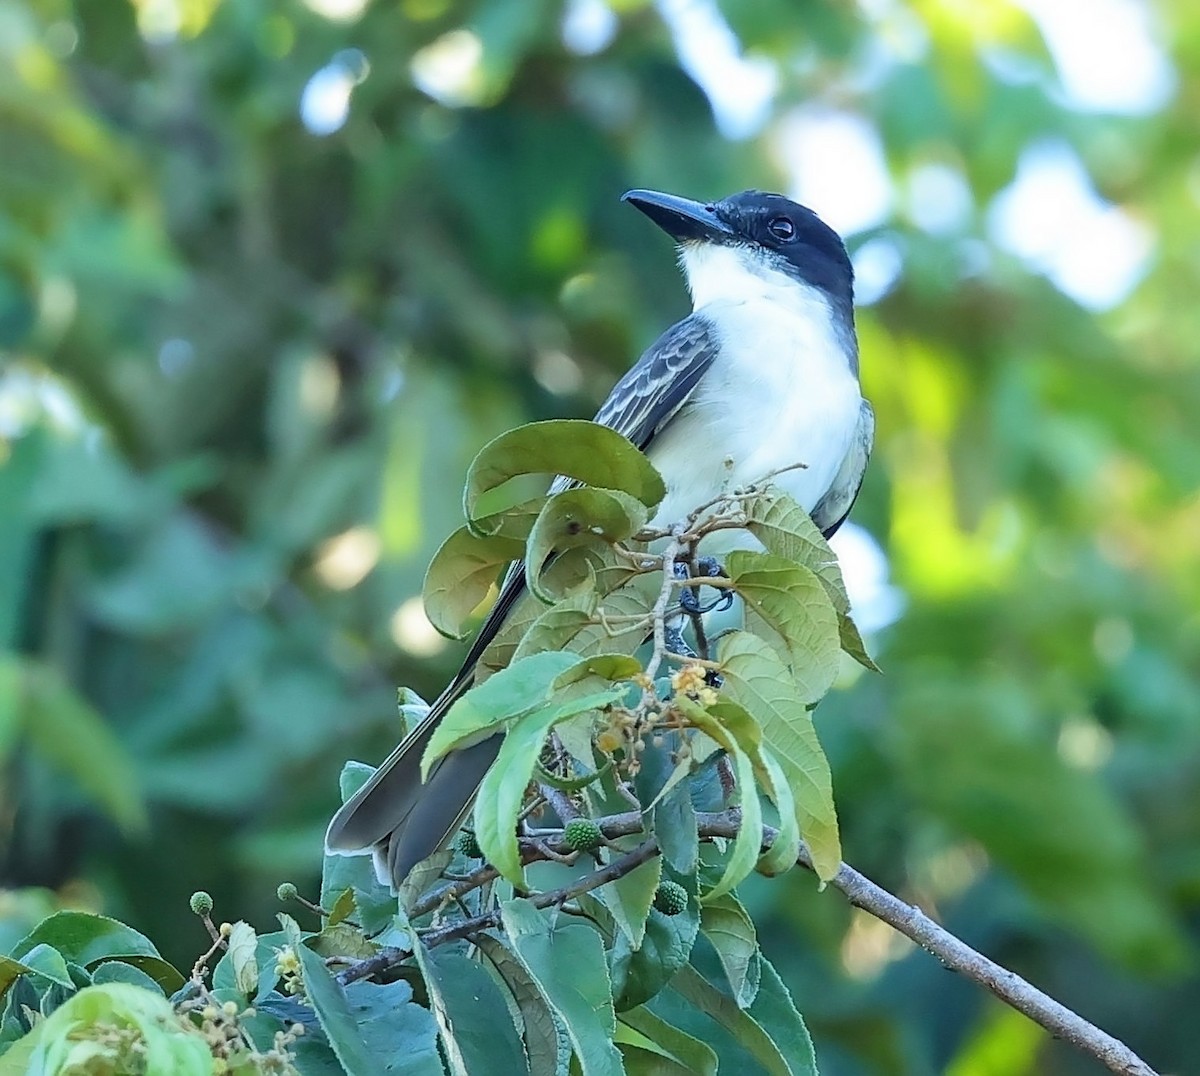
{"x": 243, "y": 368}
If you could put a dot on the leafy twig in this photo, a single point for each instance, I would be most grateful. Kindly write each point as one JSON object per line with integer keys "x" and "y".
{"x": 905, "y": 918}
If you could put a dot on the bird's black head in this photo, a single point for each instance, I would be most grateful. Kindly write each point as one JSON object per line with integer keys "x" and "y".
{"x": 788, "y": 237}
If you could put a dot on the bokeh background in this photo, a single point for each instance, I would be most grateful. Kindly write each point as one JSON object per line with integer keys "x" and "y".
{"x": 271, "y": 272}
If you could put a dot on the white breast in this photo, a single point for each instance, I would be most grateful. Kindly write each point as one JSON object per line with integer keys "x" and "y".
{"x": 780, "y": 393}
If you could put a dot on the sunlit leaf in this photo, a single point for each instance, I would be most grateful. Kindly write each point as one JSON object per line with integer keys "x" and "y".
{"x": 757, "y": 680}
{"x": 748, "y": 841}
{"x": 513, "y": 691}
{"x": 502, "y": 791}
{"x": 793, "y": 601}
{"x": 585, "y": 451}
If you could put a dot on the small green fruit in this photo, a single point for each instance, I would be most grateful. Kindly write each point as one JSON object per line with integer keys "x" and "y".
{"x": 286, "y": 891}
{"x": 670, "y": 898}
{"x": 582, "y": 834}
{"x": 201, "y": 903}
{"x": 468, "y": 844}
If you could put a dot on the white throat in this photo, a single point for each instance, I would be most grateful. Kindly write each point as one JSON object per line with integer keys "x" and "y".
{"x": 781, "y": 391}
{"x": 738, "y": 274}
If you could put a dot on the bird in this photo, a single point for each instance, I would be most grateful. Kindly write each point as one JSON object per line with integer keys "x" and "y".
{"x": 761, "y": 376}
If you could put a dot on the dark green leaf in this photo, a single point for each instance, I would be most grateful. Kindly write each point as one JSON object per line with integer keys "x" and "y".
{"x": 585, "y": 451}
{"x": 774, "y": 1011}
{"x": 675, "y": 828}
{"x": 554, "y": 952}
{"x": 399, "y": 1036}
{"x": 473, "y": 1018}
{"x": 666, "y": 946}
{"x": 546, "y": 1044}
{"x": 778, "y": 1059}
{"x": 693, "y": 1055}
{"x": 84, "y": 938}
{"x": 338, "y": 1022}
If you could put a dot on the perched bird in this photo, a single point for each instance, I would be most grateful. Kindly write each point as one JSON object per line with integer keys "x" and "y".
{"x": 762, "y": 375}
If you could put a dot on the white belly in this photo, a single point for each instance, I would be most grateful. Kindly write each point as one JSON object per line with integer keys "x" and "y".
{"x": 781, "y": 393}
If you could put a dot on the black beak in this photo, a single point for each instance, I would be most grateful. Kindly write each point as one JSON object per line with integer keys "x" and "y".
{"x": 681, "y": 218}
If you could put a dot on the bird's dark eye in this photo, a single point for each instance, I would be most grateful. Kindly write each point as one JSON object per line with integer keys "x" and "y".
{"x": 782, "y": 228}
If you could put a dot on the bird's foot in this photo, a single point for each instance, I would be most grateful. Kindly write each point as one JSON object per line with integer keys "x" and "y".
{"x": 674, "y": 640}
{"x": 689, "y": 600}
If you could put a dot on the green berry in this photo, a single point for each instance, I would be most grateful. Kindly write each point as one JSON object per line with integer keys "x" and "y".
{"x": 582, "y": 834}
{"x": 670, "y": 898}
{"x": 468, "y": 844}
{"x": 286, "y": 891}
{"x": 201, "y": 903}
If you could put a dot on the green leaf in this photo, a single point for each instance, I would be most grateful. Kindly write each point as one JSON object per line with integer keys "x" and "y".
{"x": 332, "y": 1007}
{"x": 638, "y": 975}
{"x": 522, "y": 687}
{"x": 546, "y": 1044}
{"x": 582, "y": 516}
{"x": 49, "y": 962}
{"x": 785, "y": 849}
{"x": 791, "y": 599}
{"x": 266, "y": 947}
{"x": 748, "y": 841}
{"x": 343, "y": 907}
{"x": 400, "y": 1036}
{"x": 558, "y": 625}
{"x": 675, "y": 828}
{"x": 68, "y": 732}
{"x": 585, "y": 451}
{"x": 83, "y": 938}
{"x": 243, "y": 945}
{"x": 783, "y": 526}
{"x": 728, "y": 926}
{"x": 473, "y": 1019}
{"x": 791, "y": 1056}
{"x": 503, "y": 787}
{"x": 556, "y": 954}
{"x": 693, "y": 1055}
{"x": 630, "y": 897}
{"x": 774, "y": 1011}
{"x": 757, "y": 680}
{"x": 117, "y": 971}
{"x": 10, "y": 971}
{"x": 787, "y": 530}
{"x": 461, "y": 574}
{"x": 343, "y": 941}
